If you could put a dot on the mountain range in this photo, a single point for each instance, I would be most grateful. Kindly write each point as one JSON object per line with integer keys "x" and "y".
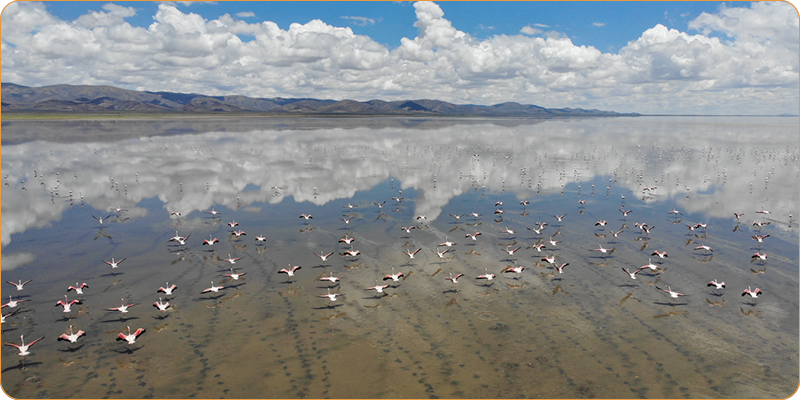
{"x": 100, "y": 99}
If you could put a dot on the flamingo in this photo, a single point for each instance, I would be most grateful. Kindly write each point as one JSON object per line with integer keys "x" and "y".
{"x": 114, "y": 264}
{"x": 377, "y": 288}
{"x": 131, "y": 337}
{"x": 672, "y": 293}
{"x": 261, "y": 238}
{"x": 180, "y": 239}
{"x": 440, "y": 254}
{"x": 168, "y": 289}
{"x": 306, "y": 216}
{"x": 231, "y": 259}
{"x": 517, "y": 269}
{"x": 412, "y": 254}
{"x": 235, "y": 275}
{"x": 351, "y": 252}
{"x": 674, "y": 211}
{"x": 704, "y": 247}
{"x": 23, "y": 348}
{"x": 66, "y": 304}
{"x": 473, "y": 236}
{"x": 238, "y": 233}
{"x": 100, "y": 220}
{"x": 759, "y": 239}
{"x": 601, "y": 223}
{"x": 19, "y": 284}
{"x": 553, "y": 242}
{"x": 453, "y": 279}
{"x": 323, "y": 257}
{"x": 330, "y": 296}
{"x": 631, "y": 274}
{"x": 660, "y": 254}
{"x": 329, "y": 278}
{"x": 210, "y": 241}
{"x": 289, "y": 272}
{"x": 213, "y": 212}
{"x": 508, "y": 231}
{"x": 753, "y": 293}
{"x": 560, "y": 268}
{"x": 511, "y": 251}
{"x": 550, "y": 259}
{"x": 233, "y": 224}
{"x": 486, "y": 275}
{"x": 78, "y": 288}
{"x": 72, "y": 337}
{"x": 393, "y": 276}
{"x": 457, "y": 217}
{"x": 649, "y": 265}
{"x": 447, "y": 242}
{"x": 11, "y": 303}
{"x": 122, "y": 308}
{"x": 717, "y": 285}
{"x": 161, "y": 305}
{"x": 760, "y": 256}
{"x": 213, "y": 288}
{"x": 347, "y": 239}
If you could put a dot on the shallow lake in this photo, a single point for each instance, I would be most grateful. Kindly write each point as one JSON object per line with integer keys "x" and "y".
{"x": 586, "y": 331}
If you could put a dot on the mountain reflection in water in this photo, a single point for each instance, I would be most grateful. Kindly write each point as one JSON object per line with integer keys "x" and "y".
{"x": 590, "y": 329}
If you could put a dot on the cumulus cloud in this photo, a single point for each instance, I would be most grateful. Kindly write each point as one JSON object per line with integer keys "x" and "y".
{"x": 245, "y": 14}
{"x": 746, "y": 57}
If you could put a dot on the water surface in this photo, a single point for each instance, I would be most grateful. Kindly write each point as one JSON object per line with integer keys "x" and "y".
{"x": 588, "y": 332}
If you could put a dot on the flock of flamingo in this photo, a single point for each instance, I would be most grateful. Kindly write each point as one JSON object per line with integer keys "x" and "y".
{"x": 441, "y": 249}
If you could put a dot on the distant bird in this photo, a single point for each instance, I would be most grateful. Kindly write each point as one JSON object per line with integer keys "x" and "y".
{"x": 330, "y": 296}
{"x": 131, "y": 337}
{"x": 289, "y": 272}
{"x": 210, "y": 241}
{"x": 168, "y": 289}
{"x": 549, "y": 259}
{"x": 704, "y": 247}
{"x": 72, "y": 337}
{"x": 474, "y": 214}
{"x": 457, "y": 216}
{"x": 11, "y": 303}
{"x": 625, "y": 212}
{"x": 674, "y": 211}
{"x": 758, "y": 238}
{"x": 473, "y": 236}
{"x": 323, "y": 257}
{"x": 753, "y": 293}
{"x": 181, "y": 240}
{"x": 453, "y": 279}
{"x": 560, "y": 218}
{"x": 23, "y": 348}
{"x": 380, "y": 205}
{"x": 447, "y": 242}
{"x": 601, "y": 223}
{"x": 346, "y": 239}
{"x": 412, "y": 254}
{"x": 440, "y": 254}
{"x": 421, "y": 217}
{"x": 538, "y": 246}
{"x": 351, "y": 252}
{"x": 511, "y": 251}
{"x": 114, "y": 264}
{"x": 498, "y": 203}
{"x": 306, "y": 216}
{"x": 524, "y": 202}
{"x": 760, "y": 223}
{"x": 66, "y": 304}
{"x": 671, "y": 293}
{"x": 553, "y": 242}
{"x": 763, "y": 211}
{"x": 377, "y": 288}
{"x": 19, "y": 285}
{"x": 238, "y": 233}
{"x": 660, "y": 254}
{"x": 161, "y": 305}
{"x": 329, "y": 278}
{"x": 260, "y": 238}
{"x": 175, "y": 213}
{"x": 631, "y": 274}
{"x": 760, "y": 256}
{"x": 233, "y": 224}
{"x": 232, "y": 260}
{"x": 122, "y": 308}
{"x": 717, "y": 285}
{"x": 517, "y": 269}
{"x": 213, "y": 212}
{"x": 649, "y": 266}
{"x": 408, "y": 228}
{"x": 498, "y": 212}
{"x": 78, "y": 288}
{"x": 235, "y": 275}
{"x": 213, "y": 288}
{"x": 393, "y": 276}
{"x": 508, "y": 231}
{"x": 560, "y": 268}
{"x": 604, "y": 250}
{"x": 486, "y": 275}
{"x": 737, "y": 215}
{"x": 101, "y": 220}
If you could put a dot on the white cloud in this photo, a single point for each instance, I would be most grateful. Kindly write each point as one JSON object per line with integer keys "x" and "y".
{"x": 360, "y": 21}
{"x": 245, "y": 14}
{"x": 664, "y": 70}
{"x": 598, "y": 24}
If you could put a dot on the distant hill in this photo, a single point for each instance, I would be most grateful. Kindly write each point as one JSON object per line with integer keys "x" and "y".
{"x": 99, "y": 99}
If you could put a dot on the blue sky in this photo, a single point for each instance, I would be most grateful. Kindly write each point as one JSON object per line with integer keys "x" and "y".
{"x": 608, "y": 26}
{"x": 637, "y": 56}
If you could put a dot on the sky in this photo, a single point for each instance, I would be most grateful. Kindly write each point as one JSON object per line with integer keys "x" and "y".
{"x": 691, "y": 57}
